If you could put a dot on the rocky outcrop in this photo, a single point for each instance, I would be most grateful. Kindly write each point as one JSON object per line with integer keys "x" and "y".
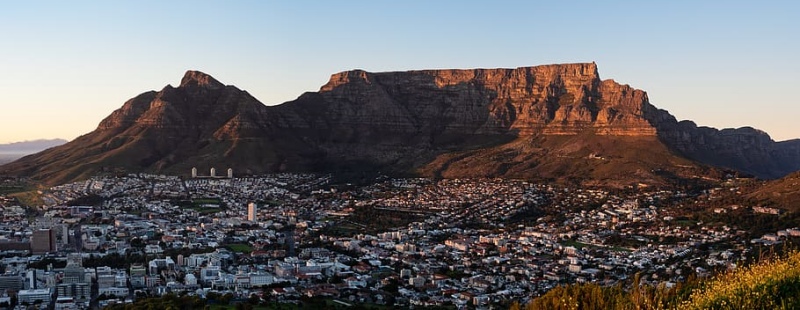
{"x": 547, "y": 122}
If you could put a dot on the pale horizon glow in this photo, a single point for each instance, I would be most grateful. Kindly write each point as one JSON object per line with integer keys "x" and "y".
{"x": 68, "y": 65}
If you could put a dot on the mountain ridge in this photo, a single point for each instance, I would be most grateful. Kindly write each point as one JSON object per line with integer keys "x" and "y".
{"x": 555, "y": 122}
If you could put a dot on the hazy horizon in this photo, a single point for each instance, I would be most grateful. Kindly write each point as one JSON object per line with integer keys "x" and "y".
{"x": 69, "y": 65}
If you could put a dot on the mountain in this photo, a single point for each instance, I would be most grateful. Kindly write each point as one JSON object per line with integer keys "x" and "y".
{"x": 12, "y": 151}
{"x": 30, "y": 147}
{"x": 551, "y": 122}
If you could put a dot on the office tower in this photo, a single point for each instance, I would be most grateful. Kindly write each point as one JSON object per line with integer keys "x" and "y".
{"x": 43, "y": 241}
{"x": 251, "y": 211}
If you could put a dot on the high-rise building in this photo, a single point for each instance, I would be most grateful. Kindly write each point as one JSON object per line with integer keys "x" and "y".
{"x": 230, "y": 173}
{"x": 194, "y": 172}
{"x": 65, "y": 234}
{"x": 213, "y": 172}
{"x": 251, "y": 212}
{"x": 31, "y": 278}
{"x": 78, "y": 237}
{"x": 43, "y": 241}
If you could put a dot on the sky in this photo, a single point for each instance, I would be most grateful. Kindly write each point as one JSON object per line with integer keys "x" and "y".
{"x": 66, "y": 65}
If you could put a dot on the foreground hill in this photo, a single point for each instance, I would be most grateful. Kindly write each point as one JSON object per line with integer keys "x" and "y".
{"x": 769, "y": 284}
{"x": 553, "y": 122}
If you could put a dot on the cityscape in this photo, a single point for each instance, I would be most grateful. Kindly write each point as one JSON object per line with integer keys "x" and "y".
{"x": 415, "y": 242}
{"x": 386, "y": 155}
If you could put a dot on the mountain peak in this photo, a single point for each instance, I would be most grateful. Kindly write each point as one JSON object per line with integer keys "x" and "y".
{"x": 548, "y": 122}
{"x": 199, "y": 79}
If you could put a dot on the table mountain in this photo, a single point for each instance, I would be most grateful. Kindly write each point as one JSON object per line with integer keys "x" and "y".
{"x": 552, "y": 122}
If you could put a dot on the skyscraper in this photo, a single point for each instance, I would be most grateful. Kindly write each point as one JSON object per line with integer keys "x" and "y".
{"x": 230, "y": 173}
{"x": 194, "y": 172}
{"x": 251, "y": 211}
{"x": 213, "y": 172}
{"x": 43, "y": 241}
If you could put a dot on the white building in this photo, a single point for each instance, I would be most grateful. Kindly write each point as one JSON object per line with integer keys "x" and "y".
{"x": 31, "y": 296}
{"x": 261, "y": 279}
{"x": 209, "y": 273}
{"x": 190, "y": 279}
{"x": 115, "y": 291}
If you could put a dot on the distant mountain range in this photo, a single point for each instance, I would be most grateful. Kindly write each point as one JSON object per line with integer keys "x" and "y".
{"x": 552, "y": 122}
{"x": 30, "y": 147}
{"x": 13, "y": 151}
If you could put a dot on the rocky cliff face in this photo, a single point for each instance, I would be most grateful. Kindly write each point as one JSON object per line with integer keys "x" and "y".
{"x": 554, "y": 99}
{"x": 544, "y": 122}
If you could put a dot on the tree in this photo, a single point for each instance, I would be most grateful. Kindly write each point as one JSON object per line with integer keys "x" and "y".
{"x": 254, "y": 299}
{"x": 137, "y": 243}
{"x": 226, "y": 299}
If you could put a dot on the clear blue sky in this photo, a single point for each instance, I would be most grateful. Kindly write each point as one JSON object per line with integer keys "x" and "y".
{"x": 66, "y": 65}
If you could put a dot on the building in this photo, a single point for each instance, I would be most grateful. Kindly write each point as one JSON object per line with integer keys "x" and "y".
{"x": 190, "y": 279}
{"x": 209, "y": 274}
{"x": 34, "y": 296}
{"x": 194, "y": 172}
{"x": 106, "y": 277}
{"x": 261, "y": 279}
{"x": 121, "y": 279}
{"x": 31, "y": 279}
{"x": 155, "y": 266}
{"x": 11, "y": 282}
{"x": 213, "y": 172}
{"x": 75, "y": 259}
{"x": 230, "y": 173}
{"x": 74, "y": 274}
{"x": 78, "y": 291}
{"x": 138, "y": 273}
{"x": 252, "y": 211}
{"x": 43, "y": 241}
{"x": 113, "y": 291}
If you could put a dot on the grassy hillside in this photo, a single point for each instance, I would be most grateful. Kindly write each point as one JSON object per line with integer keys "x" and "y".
{"x": 783, "y": 193}
{"x": 770, "y": 284}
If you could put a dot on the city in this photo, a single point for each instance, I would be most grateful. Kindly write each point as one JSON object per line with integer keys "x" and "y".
{"x": 288, "y": 238}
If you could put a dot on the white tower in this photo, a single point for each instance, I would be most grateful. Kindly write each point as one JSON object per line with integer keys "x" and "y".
{"x": 230, "y": 173}
{"x": 194, "y": 172}
{"x": 213, "y": 172}
{"x": 251, "y": 212}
